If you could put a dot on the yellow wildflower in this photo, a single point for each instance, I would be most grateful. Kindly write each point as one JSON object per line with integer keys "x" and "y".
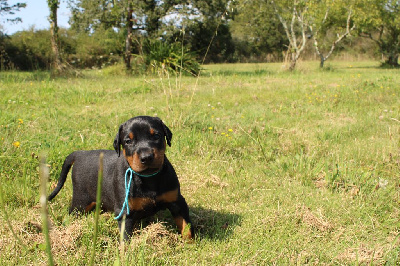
{"x": 16, "y": 144}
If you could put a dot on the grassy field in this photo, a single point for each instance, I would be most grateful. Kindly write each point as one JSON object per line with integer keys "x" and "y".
{"x": 277, "y": 167}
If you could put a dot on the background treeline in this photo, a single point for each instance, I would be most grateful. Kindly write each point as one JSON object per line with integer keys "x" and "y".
{"x": 170, "y": 32}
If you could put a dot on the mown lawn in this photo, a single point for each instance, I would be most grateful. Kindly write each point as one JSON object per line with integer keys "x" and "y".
{"x": 277, "y": 167}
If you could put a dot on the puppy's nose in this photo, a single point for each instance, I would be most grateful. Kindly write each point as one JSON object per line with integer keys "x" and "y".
{"x": 146, "y": 158}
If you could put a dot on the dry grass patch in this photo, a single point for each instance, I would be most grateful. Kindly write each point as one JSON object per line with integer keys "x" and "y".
{"x": 363, "y": 254}
{"x": 29, "y": 230}
{"x": 156, "y": 235}
{"x": 318, "y": 221}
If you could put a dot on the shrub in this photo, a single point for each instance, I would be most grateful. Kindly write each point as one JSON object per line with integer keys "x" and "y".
{"x": 31, "y": 49}
{"x": 159, "y": 55}
{"x": 28, "y": 50}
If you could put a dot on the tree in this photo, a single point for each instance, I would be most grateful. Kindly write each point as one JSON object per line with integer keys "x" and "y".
{"x": 316, "y": 19}
{"x": 257, "y": 31}
{"x": 58, "y": 66}
{"x": 129, "y": 36}
{"x": 292, "y": 15}
{"x": 134, "y": 17}
{"x": 88, "y": 16}
{"x": 203, "y": 26}
{"x": 6, "y": 9}
{"x": 379, "y": 20}
{"x": 329, "y": 16}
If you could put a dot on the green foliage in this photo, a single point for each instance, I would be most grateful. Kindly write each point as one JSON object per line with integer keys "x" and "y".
{"x": 53, "y": 6}
{"x": 257, "y": 32}
{"x": 212, "y": 41}
{"x": 100, "y": 49}
{"x": 379, "y": 20}
{"x": 209, "y": 34}
{"x": 31, "y": 49}
{"x": 7, "y": 9}
{"x": 28, "y": 50}
{"x": 215, "y": 31}
{"x": 161, "y": 56}
{"x": 88, "y": 15}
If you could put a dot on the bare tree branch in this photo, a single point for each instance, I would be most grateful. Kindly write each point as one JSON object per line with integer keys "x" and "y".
{"x": 339, "y": 38}
{"x": 296, "y": 44}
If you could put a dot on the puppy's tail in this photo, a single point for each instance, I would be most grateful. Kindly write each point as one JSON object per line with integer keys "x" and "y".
{"x": 69, "y": 161}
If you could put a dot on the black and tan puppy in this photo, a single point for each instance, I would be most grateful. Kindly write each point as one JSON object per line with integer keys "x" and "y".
{"x": 138, "y": 184}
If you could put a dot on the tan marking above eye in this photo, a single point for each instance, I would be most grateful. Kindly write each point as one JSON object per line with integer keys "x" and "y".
{"x": 130, "y": 135}
{"x": 152, "y": 132}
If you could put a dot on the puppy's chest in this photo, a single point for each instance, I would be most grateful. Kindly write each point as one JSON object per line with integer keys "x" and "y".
{"x": 143, "y": 199}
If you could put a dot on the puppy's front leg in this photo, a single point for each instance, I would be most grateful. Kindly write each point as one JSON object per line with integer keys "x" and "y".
{"x": 129, "y": 226}
{"x": 180, "y": 211}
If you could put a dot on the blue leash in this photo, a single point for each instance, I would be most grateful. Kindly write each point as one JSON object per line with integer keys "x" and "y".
{"x": 127, "y": 188}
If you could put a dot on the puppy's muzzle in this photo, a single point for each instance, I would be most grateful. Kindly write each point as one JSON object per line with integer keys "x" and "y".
{"x": 146, "y": 157}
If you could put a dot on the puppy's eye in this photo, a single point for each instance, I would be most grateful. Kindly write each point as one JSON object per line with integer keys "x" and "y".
{"x": 128, "y": 141}
{"x": 156, "y": 136}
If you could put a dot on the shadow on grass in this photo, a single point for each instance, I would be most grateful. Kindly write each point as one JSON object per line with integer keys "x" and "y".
{"x": 212, "y": 224}
{"x": 208, "y": 223}
{"x": 225, "y": 73}
{"x": 381, "y": 66}
{"x": 24, "y": 76}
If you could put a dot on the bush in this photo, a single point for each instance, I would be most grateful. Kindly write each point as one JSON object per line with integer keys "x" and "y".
{"x": 159, "y": 55}
{"x": 97, "y": 50}
{"x": 31, "y": 49}
{"x": 28, "y": 50}
{"x": 92, "y": 61}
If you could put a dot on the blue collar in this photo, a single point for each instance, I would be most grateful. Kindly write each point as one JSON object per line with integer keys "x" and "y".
{"x": 136, "y": 173}
{"x": 130, "y": 172}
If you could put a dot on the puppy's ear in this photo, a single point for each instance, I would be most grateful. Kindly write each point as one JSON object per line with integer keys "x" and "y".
{"x": 117, "y": 141}
{"x": 167, "y": 133}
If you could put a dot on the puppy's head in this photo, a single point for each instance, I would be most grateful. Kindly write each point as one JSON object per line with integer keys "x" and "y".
{"x": 143, "y": 140}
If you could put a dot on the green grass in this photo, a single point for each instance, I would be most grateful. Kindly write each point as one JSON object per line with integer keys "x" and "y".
{"x": 277, "y": 167}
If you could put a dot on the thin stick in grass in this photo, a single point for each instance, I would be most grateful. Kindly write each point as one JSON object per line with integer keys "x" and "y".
{"x": 121, "y": 254}
{"x": 44, "y": 177}
{"x": 98, "y": 205}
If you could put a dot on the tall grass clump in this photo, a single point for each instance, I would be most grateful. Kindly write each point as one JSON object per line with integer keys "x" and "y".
{"x": 158, "y": 55}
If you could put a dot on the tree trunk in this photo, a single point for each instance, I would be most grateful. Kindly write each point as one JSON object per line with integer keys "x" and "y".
{"x": 57, "y": 61}
{"x": 128, "y": 41}
{"x": 315, "y": 34}
{"x": 293, "y": 62}
{"x": 322, "y": 61}
{"x": 393, "y": 60}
